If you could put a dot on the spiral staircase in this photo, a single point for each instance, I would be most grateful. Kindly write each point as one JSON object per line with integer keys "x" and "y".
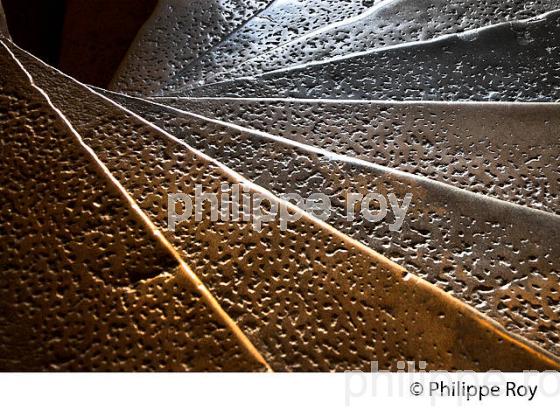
{"x": 450, "y": 103}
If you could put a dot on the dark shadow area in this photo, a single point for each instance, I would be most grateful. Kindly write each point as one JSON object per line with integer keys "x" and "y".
{"x": 87, "y": 39}
{"x": 36, "y": 25}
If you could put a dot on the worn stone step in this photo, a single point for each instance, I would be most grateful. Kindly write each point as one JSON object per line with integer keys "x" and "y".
{"x": 507, "y": 151}
{"x": 389, "y": 23}
{"x": 514, "y": 61}
{"x": 85, "y": 284}
{"x": 279, "y": 23}
{"x": 176, "y": 34}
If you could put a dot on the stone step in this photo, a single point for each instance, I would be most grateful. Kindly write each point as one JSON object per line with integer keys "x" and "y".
{"x": 177, "y": 33}
{"x": 389, "y": 23}
{"x": 514, "y": 61}
{"x": 507, "y": 151}
{"x": 279, "y": 23}
{"x": 85, "y": 285}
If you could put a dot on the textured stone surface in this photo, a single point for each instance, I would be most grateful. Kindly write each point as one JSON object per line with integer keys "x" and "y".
{"x": 84, "y": 285}
{"x": 177, "y": 33}
{"x": 508, "y": 151}
{"x": 499, "y": 258}
{"x": 515, "y": 61}
{"x": 282, "y": 21}
{"x": 310, "y": 298}
{"x": 390, "y": 23}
